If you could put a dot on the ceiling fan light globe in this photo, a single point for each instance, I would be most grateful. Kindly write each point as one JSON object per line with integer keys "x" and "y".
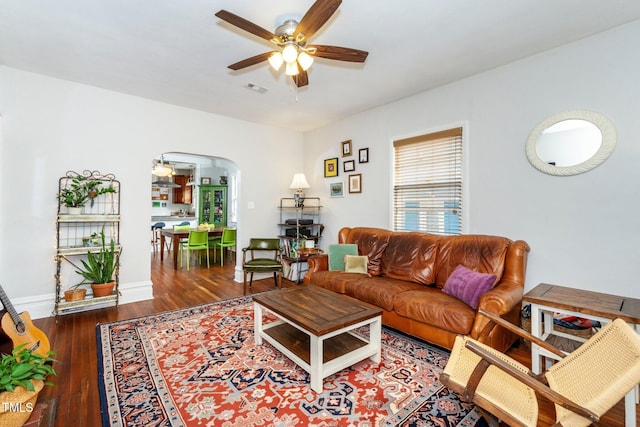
{"x": 289, "y": 54}
{"x": 276, "y": 60}
{"x": 292, "y": 69}
{"x": 305, "y": 60}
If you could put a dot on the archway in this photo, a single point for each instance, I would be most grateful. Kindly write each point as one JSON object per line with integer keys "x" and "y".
{"x": 175, "y": 198}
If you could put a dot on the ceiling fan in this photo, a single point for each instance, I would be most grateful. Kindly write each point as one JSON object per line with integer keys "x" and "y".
{"x": 291, "y": 39}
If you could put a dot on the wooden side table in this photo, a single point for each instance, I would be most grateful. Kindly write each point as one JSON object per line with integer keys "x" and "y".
{"x": 546, "y": 299}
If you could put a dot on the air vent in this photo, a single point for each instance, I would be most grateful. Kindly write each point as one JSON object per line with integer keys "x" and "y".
{"x": 256, "y": 88}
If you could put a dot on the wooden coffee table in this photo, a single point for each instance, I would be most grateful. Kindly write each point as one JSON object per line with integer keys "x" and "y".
{"x": 313, "y": 329}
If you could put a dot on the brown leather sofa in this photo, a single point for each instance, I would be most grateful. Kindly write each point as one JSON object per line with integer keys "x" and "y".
{"x": 407, "y": 271}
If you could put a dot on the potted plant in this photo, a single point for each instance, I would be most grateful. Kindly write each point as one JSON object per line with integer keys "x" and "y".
{"x": 99, "y": 268}
{"x": 81, "y": 190}
{"x": 22, "y": 375}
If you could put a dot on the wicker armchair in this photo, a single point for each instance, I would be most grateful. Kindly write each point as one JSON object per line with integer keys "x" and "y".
{"x": 583, "y": 385}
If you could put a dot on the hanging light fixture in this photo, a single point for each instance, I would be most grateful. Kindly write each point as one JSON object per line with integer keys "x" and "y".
{"x": 162, "y": 169}
{"x": 293, "y": 53}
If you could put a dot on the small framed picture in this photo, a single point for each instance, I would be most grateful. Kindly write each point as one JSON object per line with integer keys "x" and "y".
{"x": 349, "y": 165}
{"x": 363, "y": 155}
{"x": 205, "y": 181}
{"x": 346, "y": 148}
{"x": 331, "y": 167}
{"x": 355, "y": 183}
{"x": 336, "y": 189}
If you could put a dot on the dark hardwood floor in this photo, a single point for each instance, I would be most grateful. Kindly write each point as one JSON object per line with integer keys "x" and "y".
{"x": 74, "y": 399}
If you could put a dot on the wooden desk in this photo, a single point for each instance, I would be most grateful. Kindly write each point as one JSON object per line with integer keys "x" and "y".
{"x": 546, "y": 299}
{"x": 175, "y": 237}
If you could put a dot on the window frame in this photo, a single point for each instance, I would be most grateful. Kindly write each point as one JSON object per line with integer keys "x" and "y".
{"x": 398, "y": 224}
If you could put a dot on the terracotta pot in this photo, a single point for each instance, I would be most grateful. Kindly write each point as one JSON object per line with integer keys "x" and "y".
{"x": 103, "y": 289}
{"x": 75, "y": 294}
{"x": 17, "y": 405}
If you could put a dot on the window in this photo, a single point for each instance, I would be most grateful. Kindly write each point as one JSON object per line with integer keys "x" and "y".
{"x": 427, "y": 188}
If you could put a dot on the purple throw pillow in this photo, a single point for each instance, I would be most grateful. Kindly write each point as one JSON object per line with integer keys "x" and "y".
{"x": 468, "y": 285}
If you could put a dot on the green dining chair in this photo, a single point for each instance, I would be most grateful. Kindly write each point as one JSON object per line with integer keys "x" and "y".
{"x": 228, "y": 240}
{"x": 263, "y": 263}
{"x": 197, "y": 241}
{"x": 182, "y": 242}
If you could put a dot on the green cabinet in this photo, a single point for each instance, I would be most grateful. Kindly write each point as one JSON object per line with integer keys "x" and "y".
{"x": 212, "y": 206}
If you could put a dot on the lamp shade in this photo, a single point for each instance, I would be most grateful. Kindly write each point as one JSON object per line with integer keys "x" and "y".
{"x": 289, "y": 54}
{"x": 292, "y": 69}
{"x": 276, "y": 60}
{"x": 299, "y": 181}
{"x": 161, "y": 169}
{"x": 305, "y": 60}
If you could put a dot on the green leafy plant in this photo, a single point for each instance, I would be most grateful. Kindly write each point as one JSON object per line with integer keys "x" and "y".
{"x": 99, "y": 267}
{"x": 22, "y": 366}
{"x": 81, "y": 190}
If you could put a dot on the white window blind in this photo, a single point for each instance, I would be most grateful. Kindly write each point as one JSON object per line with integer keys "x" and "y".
{"x": 427, "y": 190}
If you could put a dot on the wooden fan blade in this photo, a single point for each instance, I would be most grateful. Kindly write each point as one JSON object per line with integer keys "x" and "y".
{"x": 250, "y": 61}
{"x": 246, "y": 25}
{"x": 339, "y": 53}
{"x": 316, "y": 16}
{"x": 302, "y": 78}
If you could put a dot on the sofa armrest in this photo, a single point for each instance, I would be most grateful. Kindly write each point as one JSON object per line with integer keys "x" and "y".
{"x": 503, "y": 300}
{"x": 318, "y": 262}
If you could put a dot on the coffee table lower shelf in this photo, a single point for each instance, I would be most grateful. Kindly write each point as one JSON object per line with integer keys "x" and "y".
{"x": 320, "y": 356}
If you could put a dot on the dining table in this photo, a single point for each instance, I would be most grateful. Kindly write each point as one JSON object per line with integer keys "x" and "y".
{"x": 175, "y": 236}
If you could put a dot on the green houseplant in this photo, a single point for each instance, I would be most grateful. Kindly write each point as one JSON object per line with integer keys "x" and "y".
{"x": 81, "y": 190}
{"x": 22, "y": 375}
{"x": 99, "y": 268}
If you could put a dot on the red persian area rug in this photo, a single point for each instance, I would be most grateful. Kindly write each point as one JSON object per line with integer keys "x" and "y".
{"x": 200, "y": 366}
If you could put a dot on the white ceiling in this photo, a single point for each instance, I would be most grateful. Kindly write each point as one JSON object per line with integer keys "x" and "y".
{"x": 177, "y": 51}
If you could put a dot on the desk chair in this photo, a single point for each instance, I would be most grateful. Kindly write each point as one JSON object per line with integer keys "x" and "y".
{"x": 155, "y": 236}
{"x": 228, "y": 240}
{"x": 583, "y": 385}
{"x": 262, "y": 264}
{"x": 197, "y": 241}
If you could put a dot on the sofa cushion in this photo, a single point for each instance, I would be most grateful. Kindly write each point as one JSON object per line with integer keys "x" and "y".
{"x": 468, "y": 285}
{"x": 379, "y": 291}
{"x": 356, "y": 264}
{"x": 411, "y": 256}
{"x": 337, "y": 254}
{"x": 432, "y": 306}
{"x": 371, "y": 242}
{"x": 484, "y": 254}
{"x": 333, "y": 280}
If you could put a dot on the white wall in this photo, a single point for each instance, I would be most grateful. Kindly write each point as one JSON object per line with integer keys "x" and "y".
{"x": 50, "y": 126}
{"x": 583, "y": 230}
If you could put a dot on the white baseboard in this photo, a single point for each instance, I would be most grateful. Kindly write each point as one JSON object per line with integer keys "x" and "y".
{"x": 41, "y": 306}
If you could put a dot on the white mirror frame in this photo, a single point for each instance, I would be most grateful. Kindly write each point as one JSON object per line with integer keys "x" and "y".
{"x": 609, "y": 138}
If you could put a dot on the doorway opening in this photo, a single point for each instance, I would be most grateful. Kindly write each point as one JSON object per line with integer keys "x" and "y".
{"x": 191, "y": 189}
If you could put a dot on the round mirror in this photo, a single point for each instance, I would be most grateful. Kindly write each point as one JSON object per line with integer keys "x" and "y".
{"x": 571, "y": 142}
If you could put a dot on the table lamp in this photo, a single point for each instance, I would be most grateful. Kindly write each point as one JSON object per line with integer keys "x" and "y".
{"x": 298, "y": 183}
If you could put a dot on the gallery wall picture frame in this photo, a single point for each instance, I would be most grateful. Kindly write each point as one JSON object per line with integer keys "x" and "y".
{"x": 363, "y": 155}
{"x": 355, "y": 183}
{"x": 336, "y": 189}
{"x": 346, "y": 148}
{"x": 349, "y": 165}
{"x": 205, "y": 180}
{"x": 331, "y": 167}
